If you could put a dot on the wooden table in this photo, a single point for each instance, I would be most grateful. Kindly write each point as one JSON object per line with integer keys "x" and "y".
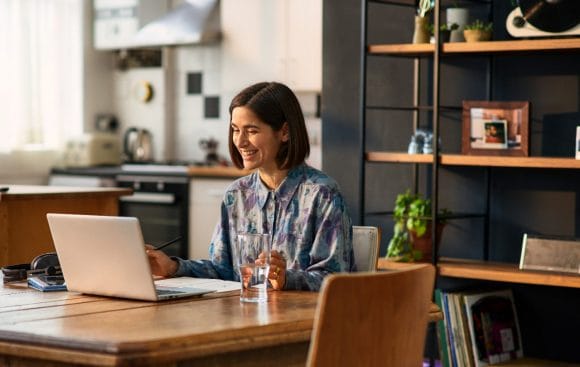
{"x": 24, "y": 231}
{"x": 67, "y": 329}
{"x": 64, "y": 329}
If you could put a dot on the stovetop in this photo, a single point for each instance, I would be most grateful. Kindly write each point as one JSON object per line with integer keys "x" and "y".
{"x": 176, "y": 166}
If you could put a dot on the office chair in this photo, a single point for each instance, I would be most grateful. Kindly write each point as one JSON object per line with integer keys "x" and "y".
{"x": 372, "y": 319}
{"x": 366, "y": 242}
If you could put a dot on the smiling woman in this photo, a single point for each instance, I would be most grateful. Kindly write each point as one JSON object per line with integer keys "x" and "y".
{"x": 300, "y": 209}
{"x": 41, "y": 73}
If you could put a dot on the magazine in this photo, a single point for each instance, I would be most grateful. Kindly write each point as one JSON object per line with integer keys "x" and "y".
{"x": 493, "y": 327}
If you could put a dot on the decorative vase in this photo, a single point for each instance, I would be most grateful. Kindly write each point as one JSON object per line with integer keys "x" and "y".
{"x": 421, "y": 33}
{"x": 425, "y": 244}
{"x": 459, "y": 16}
{"x": 476, "y": 35}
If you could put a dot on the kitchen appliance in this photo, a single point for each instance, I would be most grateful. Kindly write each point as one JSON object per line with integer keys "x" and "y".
{"x": 123, "y": 24}
{"x": 210, "y": 146}
{"x": 544, "y": 18}
{"x": 138, "y": 145}
{"x": 161, "y": 202}
{"x": 92, "y": 149}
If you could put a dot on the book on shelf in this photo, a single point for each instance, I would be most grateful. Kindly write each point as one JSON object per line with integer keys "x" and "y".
{"x": 444, "y": 351}
{"x": 493, "y": 327}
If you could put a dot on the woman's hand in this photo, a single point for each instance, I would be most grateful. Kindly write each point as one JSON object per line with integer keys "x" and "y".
{"x": 277, "y": 274}
{"x": 161, "y": 264}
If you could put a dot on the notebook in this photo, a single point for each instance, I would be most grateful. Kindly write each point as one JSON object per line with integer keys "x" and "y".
{"x": 105, "y": 255}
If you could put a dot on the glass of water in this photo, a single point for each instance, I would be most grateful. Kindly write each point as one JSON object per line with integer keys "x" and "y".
{"x": 253, "y": 277}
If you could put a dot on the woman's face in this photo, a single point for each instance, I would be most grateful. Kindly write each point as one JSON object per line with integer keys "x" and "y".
{"x": 256, "y": 141}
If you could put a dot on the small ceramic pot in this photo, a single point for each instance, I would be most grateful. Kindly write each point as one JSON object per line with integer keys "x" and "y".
{"x": 476, "y": 35}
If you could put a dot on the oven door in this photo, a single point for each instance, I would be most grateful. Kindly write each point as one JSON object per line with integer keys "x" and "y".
{"x": 162, "y": 204}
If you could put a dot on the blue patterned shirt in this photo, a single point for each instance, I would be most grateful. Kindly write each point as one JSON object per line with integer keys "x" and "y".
{"x": 306, "y": 218}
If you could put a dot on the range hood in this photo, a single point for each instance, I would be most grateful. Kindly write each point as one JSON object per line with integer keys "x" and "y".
{"x": 191, "y": 22}
{"x": 126, "y": 24}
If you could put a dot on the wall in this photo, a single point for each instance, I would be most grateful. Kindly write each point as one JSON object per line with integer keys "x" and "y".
{"x": 177, "y": 116}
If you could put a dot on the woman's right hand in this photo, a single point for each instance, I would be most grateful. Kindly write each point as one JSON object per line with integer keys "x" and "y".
{"x": 161, "y": 264}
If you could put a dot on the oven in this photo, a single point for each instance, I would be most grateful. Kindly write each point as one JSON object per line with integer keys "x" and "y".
{"x": 161, "y": 202}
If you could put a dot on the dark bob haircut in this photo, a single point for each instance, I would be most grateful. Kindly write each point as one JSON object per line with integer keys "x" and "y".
{"x": 274, "y": 103}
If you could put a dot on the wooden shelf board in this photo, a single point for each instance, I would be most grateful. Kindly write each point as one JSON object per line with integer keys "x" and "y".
{"x": 398, "y": 157}
{"x": 403, "y": 49}
{"x": 512, "y": 46}
{"x": 504, "y": 161}
{"x": 502, "y": 272}
{"x": 422, "y": 49}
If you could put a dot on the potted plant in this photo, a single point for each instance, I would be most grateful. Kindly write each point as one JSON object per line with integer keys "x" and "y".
{"x": 460, "y": 16}
{"x": 478, "y": 31}
{"x": 411, "y": 239}
{"x": 444, "y": 31}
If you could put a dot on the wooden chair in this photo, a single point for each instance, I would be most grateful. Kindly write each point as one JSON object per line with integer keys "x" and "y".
{"x": 366, "y": 242}
{"x": 372, "y": 319}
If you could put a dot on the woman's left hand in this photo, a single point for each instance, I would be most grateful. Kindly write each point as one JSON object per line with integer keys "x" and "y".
{"x": 277, "y": 274}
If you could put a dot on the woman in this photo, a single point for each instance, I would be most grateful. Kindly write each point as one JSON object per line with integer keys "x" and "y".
{"x": 300, "y": 207}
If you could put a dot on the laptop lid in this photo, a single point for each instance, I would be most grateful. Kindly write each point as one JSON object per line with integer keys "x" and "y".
{"x": 105, "y": 255}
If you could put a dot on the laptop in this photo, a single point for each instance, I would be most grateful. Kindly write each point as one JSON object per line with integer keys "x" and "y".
{"x": 105, "y": 256}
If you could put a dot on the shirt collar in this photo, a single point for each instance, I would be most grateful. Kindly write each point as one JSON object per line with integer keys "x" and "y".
{"x": 284, "y": 192}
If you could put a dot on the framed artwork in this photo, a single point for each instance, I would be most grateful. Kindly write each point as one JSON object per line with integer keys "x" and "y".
{"x": 495, "y": 128}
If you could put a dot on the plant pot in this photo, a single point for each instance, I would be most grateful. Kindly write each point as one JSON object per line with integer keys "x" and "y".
{"x": 443, "y": 36}
{"x": 425, "y": 244}
{"x": 459, "y": 16}
{"x": 476, "y": 35}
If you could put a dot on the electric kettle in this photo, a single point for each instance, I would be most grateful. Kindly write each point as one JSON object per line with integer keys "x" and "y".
{"x": 138, "y": 145}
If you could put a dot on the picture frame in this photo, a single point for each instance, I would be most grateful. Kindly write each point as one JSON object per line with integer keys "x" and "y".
{"x": 508, "y": 122}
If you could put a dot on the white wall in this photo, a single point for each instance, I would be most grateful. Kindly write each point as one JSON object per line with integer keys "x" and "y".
{"x": 175, "y": 118}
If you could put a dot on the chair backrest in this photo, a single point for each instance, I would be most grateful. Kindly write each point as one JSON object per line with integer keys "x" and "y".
{"x": 372, "y": 319}
{"x": 366, "y": 241}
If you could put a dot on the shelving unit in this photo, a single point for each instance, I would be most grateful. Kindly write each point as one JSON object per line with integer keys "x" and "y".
{"x": 455, "y": 269}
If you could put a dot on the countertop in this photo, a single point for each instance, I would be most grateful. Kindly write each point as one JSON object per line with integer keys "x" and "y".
{"x": 153, "y": 169}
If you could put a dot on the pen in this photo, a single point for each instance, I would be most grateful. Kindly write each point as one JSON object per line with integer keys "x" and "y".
{"x": 163, "y": 245}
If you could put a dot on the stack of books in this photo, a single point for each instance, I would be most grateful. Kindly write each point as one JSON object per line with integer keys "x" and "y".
{"x": 478, "y": 329}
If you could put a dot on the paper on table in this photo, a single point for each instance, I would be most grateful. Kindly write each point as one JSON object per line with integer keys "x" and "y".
{"x": 211, "y": 284}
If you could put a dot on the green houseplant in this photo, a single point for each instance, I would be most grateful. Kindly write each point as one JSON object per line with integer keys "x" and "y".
{"x": 478, "y": 31}
{"x": 444, "y": 31}
{"x": 411, "y": 239}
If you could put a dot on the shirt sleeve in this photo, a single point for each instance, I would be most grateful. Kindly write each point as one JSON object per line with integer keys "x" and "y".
{"x": 220, "y": 264}
{"x": 331, "y": 250}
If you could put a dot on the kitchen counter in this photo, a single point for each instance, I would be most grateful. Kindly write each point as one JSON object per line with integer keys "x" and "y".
{"x": 154, "y": 169}
{"x": 24, "y": 231}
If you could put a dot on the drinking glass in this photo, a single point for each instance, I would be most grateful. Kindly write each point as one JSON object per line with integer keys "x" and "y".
{"x": 253, "y": 277}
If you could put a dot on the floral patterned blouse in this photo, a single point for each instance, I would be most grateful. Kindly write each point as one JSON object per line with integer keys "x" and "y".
{"x": 306, "y": 218}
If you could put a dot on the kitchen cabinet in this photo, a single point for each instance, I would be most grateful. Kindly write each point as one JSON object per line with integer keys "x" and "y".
{"x": 206, "y": 196}
{"x": 278, "y": 40}
{"x": 495, "y": 199}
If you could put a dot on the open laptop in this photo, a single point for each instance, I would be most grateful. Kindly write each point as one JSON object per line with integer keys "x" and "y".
{"x": 105, "y": 255}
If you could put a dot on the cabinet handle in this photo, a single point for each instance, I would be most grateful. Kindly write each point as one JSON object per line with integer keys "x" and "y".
{"x": 146, "y": 197}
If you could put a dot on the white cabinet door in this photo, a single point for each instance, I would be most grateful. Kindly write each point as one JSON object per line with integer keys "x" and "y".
{"x": 268, "y": 40}
{"x": 206, "y": 195}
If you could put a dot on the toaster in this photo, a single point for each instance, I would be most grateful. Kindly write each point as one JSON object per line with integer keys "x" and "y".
{"x": 94, "y": 149}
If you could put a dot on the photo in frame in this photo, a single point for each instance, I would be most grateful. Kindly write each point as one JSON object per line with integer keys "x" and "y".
{"x": 495, "y": 128}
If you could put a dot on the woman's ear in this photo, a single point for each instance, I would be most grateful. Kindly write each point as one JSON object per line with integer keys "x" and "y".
{"x": 285, "y": 130}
